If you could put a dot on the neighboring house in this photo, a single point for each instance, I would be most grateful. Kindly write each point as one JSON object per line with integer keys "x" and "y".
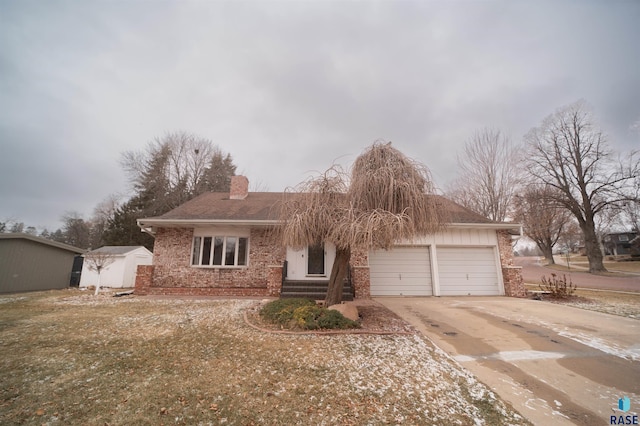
{"x": 121, "y": 273}
{"x": 221, "y": 244}
{"x": 30, "y": 263}
{"x": 621, "y": 243}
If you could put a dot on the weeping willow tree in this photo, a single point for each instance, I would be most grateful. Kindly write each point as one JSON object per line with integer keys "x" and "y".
{"x": 385, "y": 199}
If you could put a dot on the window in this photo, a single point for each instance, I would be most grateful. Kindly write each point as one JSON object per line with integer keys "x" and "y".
{"x": 219, "y": 251}
{"x": 623, "y": 238}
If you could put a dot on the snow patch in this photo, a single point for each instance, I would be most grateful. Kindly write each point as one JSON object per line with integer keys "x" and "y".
{"x": 632, "y": 353}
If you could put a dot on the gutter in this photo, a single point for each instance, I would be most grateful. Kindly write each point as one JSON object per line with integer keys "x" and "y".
{"x": 146, "y": 225}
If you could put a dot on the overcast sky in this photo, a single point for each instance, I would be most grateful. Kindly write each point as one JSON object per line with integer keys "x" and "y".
{"x": 290, "y": 87}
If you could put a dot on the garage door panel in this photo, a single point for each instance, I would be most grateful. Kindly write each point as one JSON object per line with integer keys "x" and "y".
{"x": 467, "y": 271}
{"x": 402, "y": 271}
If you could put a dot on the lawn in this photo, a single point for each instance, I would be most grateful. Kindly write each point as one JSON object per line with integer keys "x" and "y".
{"x": 624, "y": 304}
{"x": 583, "y": 262}
{"x": 71, "y": 358}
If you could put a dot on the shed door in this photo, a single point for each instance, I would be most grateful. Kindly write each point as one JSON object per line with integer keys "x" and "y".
{"x": 402, "y": 271}
{"x": 468, "y": 271}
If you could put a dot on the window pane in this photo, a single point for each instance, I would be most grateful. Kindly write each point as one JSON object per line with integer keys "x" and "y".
{"x": 196, "y": 251}
{"x": 206, "y": 251}
{"x": 230, "y": 252}
{"x": 217, "y": 251}
{"x": 242, "y": 252}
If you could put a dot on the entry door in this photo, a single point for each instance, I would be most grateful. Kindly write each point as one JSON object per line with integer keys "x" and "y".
{"x": 315, "y": 260}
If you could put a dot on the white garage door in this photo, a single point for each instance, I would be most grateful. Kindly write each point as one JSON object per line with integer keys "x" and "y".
{"x": 402, "y": 271}
{"x": 467, "y": 271}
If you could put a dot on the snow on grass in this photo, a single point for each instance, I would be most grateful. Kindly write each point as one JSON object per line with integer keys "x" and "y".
{"x": 129, "y": 360}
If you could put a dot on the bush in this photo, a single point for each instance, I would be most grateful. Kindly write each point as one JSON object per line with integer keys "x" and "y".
{"x": 559, "y": 288}
{"x": 332, "y": 319}
{"x": 304, "y": 314}
{"x": 281, "y": 311}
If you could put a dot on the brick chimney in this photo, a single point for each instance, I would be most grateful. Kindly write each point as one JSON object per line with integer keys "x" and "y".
{"x": 239, "y": 188}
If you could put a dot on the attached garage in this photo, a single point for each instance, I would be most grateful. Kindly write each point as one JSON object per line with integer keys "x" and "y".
{"x": 468, "y": 271}
{"x": 403, "y": 271}
{"x": 436, "y": 270}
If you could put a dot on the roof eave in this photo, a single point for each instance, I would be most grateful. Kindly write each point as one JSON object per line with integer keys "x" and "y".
{"x": 148, "y": 225}
{"x": 512, "y": 228}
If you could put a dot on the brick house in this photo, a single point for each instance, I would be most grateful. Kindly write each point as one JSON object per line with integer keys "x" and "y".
{"x": 220, "y": 244}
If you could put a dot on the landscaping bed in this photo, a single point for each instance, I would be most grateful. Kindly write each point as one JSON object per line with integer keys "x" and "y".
{"x": 374, "y": 319}
{"x": 72, "y": 358}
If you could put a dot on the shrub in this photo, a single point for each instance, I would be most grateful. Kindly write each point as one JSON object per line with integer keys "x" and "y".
{"x": 331, "y": 319}
{"x": 559, "y": 288}
{"x": 306, "y": 317}
{"x": 304, "y": 314}
{"x": 281, "y": 311}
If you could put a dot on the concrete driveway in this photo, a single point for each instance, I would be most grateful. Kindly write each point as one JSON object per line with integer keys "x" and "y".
{"x": 555, "y": 364}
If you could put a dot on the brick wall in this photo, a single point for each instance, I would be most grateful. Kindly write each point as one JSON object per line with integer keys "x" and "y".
{"x": 511, "y": 274}
{"x": 239, "y": 188}
{"x": 274, "y": 281}
{"x": 360, "y": 274}
{"x": 144, "y": 278}
{"x": 172, "y": 272}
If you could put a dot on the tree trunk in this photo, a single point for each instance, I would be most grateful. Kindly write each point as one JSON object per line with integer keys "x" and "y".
{"x": 592, "y": 246}
{"x": 98, "y": 285}
{"x": 338, "y": 274}
{"x": 547, "y": 251}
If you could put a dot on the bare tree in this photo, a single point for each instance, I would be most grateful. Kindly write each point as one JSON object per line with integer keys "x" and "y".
{"x": 630, "y": 209}
{"x": 103, "y": 212}
{"x": 76, "y": 230}
{"x": 98, "y": 260}
{"x": 489, "y": 176}
{"x": 571, "y": 237}
{"x": 9, "y": 224}
{"x": 542, "y": 218}
{"x": 568, "y": 153}
{"x": 386, "y": 201}
{"x": 175, "y": 168}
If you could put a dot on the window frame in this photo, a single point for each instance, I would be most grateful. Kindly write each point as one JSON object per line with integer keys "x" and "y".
{"x": 198, "y": 240}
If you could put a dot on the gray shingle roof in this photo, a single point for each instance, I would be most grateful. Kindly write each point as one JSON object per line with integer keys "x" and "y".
{"x": 264, "y": 206}
{"x": 18, "y": 235}
{"x": 116, "y": 250}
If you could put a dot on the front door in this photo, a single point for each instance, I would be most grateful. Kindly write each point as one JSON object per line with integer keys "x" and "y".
{"x": 315, "y": 260}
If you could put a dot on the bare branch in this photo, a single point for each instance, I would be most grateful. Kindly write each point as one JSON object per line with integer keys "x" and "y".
{"x": 568, "y": 153}
{"x": 385, "y": 201}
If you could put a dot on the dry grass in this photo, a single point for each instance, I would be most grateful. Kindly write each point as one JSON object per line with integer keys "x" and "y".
{"x": 625, "y": 304}
{"x": 630, "y": 266}
{"x": 619, "y": 266}
{"x": 71, "y": 358}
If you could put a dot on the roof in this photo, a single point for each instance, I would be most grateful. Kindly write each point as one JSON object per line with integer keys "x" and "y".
{"x": 258, "y": 206}
{"x": 262, "y": 208}
{"x": 40, "y": 240}
{"x": 116, "y": 250}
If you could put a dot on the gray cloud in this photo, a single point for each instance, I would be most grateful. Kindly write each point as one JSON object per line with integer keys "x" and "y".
{"x": 288, "y": 87}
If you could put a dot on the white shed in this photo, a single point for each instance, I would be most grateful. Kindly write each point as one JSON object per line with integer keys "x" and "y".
{"x": 122, "y": 272}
